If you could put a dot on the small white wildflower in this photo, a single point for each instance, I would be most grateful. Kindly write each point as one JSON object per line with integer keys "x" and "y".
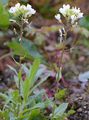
{"x": 58, "y": 17}
{"x": 12, "y": 10}
{"x": 17, "y": 5}
{"x": 25, "y": 11}
{"x": 71, "y": 14}
{"x": 66, "y": 6}
{"x": 64, "y": 10}
{"x": 30, "y": 10}
{"x": 80, "y": 15}
{"x": 77, "y": 12}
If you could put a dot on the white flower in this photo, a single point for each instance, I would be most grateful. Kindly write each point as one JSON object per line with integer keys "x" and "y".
{"x": 80, "y": 15}
{"x": 30, "y": 10}
{"x": 58, "y": 17}
{"x": 25, "y": 11}
{"x": 64, "y": 10}
{"x": 12, "y": 10}
{"x": 71, "y": 14}
{"x": 17, "y": 5}
{"x": 66, "y": 6}
{"x": 22, "y": 7}
{"x": 77, "y": 12}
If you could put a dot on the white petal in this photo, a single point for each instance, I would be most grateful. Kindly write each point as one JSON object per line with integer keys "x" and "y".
{"x": 30, "y": 9}
{"x": 62, "y": 11}
{"x": 12, "y": 10}
{"x": 80, "y": 15}
{"x": 33, "y": 11}
{"x": 29, "y": 6}
{"x": 66, "y": 6}
{"x": 23, "y": 7}
{"x": 17, "y": 5}
{"x": 58, "y": 17}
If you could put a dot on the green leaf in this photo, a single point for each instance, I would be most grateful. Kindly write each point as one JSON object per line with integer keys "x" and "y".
{"x": 59, "y": 111}
{"x": 39, "y": 83}
{"x": 39, "y": 105}
{"x": 31, "y": 48}
{"x": 11, "y": 115}
{"x": 84, "y": 22}
{"x": 70, "y": 112}
{"x": 1, "y": 8}
{"x": 4, "y": 17}
{"x": 15, "y": 96}
{"x": 4, "y": 115}
{"x": 28, "y": 83}
{"x": 61, "y": 94}
{"x": 34, "y": 114}
{"x": 4, "y": 96}
{"x": 25, "y": 48}
{"x": 18, "y": 49}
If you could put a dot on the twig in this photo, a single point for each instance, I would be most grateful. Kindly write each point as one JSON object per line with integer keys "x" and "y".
{"x": 6, "y": 55}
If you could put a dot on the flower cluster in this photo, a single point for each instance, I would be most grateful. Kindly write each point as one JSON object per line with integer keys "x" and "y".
{"x": 71, "y": 14}
{"x": 22, "y": 10}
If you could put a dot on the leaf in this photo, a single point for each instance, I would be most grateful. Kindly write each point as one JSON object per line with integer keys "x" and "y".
{"x": 11, "y": 115}
{"x": 39, "y": 83}
{"x": 30, "y": 80}
{"x": 84, "y": 22}
{"x": 70, "y": 112}
{"x": 13, "y": 69}
{"x": 34, "y": 113}
{"x": 16, "y": 97}
{"x": 31, "y": 48}
{"x": 25, "y": 49}
{"x": 1, "y": 8}
{"x": 59, "y": 111}
{"x": 4, "y": 17}
{"x": 61, "y": 94}
{"x": 59, "y": 75}
{"x": 4, "y": 115}
{"x": 3, "y": 96}
{"x": 39, "y": 105}
{"x": 18, "y": 49}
